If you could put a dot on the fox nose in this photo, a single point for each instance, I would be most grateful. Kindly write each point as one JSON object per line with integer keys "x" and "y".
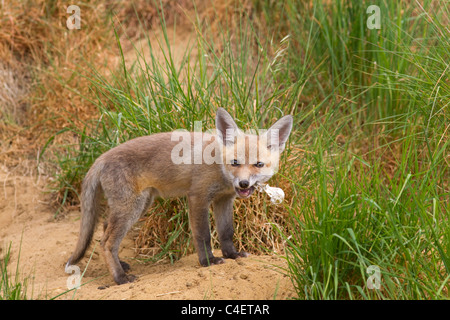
{"x": 244, "y": 184}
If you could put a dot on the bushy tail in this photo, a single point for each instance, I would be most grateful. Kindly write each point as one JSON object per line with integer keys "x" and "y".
{"x": 90, "y": 208}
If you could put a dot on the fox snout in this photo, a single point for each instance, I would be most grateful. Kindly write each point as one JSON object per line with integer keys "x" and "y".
{"x": 244, "y": 189}
{"x": 244, "y": 184}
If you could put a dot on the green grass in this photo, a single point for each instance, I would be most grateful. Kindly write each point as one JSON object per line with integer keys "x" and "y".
{"x": 11, "y": 288}
{"x": 374, "y": 189}
{"x": 367, "y": 166}
{"x": 351, "y": 221}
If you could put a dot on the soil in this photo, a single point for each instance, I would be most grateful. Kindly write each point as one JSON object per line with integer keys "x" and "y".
{"x": 45, "y": 243}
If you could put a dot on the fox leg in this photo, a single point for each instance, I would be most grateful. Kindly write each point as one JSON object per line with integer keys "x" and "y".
{"x": 223, "y": 214}
{"x": 199, "y": 222}
{"x": 124, "y": 214}
{"x": 125, "y": 266}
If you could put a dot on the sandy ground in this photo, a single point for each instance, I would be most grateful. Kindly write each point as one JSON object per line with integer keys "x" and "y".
{"x": 45, "y": 243}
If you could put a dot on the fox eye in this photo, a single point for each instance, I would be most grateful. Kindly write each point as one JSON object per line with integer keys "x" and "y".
{"x": 234, "y": 163}
{"x": 259, "y": 164}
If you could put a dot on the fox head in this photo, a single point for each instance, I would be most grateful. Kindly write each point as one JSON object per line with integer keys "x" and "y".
{"x": 250, "y": 159}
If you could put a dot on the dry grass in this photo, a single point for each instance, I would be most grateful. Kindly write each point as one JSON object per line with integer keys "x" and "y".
{"x": 42, "y": 62}
{"x": 40, "y": 57}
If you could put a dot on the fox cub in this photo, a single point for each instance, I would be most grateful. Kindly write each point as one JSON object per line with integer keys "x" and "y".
{"x": 208, "y": 169}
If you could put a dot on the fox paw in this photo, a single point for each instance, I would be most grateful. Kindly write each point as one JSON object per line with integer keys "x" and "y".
{"x": 125, "y": 278}
{"x": 211, "y": 261}
{"x": 236, "y": 255}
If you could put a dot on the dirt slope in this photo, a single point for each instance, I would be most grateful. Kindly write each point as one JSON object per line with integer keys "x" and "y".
{"x": 47, "y": 243}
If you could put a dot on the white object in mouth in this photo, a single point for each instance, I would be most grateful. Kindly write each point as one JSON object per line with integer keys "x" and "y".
{"x": 276, "y": 194}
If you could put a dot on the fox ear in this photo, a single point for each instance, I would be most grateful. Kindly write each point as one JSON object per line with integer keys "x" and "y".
{"x": 226, "y": 128}
{"x": 279, "y": 132}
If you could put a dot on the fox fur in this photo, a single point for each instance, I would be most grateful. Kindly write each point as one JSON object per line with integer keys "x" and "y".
{"x": 133, "y": 174}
